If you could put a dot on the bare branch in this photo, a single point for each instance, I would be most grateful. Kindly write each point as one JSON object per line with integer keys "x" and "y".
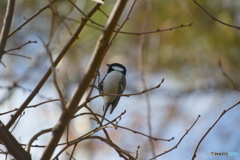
{"x": 11, "y": 144}
{"x": 136, "y": 33}
{"x": 229, "y": 25}
{"x": 29, "y": 19}
{"x": 62, "y": 20}
{"x": 72, "y": 105}
{"x": 48, "y": 73}
{"x": 103, "y": 12}
{"x": 223, "y": 112}
{"x": 178, "y": 141}
{"x": 74, "y": 148}
{"x": 18, "y": 48}
{"x": 54, "y": 76}
{"x": 28, "y": 146}
{"x": 127, "y": 95}
{"x": 236, "y": 87}
{"x": 160, "y": 30}
{"x": 121, "y": 151}
{"x": 95, "y": 61}
{"x": 120, "y": 27}
{"x": 23, "y": 113}
{"x": 154, "y": 138}
{"x": 85, "y": 136}
{"x": 32, "y": 106}
{"x": 19, "y": 55}
{"x": 3, "y": 64}
{"x": 6, "y": 26}
{"x": 127, "y": 17}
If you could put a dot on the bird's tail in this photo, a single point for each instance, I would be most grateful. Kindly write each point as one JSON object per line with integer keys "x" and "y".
{"x": 104, "y": 113}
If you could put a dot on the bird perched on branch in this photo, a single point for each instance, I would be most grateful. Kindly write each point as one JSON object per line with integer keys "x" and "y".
{"x": 114, "y": 82}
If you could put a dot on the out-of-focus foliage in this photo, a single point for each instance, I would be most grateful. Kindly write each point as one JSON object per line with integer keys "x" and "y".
{"x": 189, "y": 54}
{"x": 199, "y": 46}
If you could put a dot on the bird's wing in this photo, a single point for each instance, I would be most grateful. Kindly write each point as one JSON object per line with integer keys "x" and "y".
{"x": 122, "y": 85}
{"x": 100, "y": 87}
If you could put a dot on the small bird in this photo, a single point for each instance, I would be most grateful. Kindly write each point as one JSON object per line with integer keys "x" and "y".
{"x": 114, "y": 82}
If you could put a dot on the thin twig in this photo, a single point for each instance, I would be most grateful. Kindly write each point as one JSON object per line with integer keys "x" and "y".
{"x": 3, "y": 64}
{"x": 23, "y": 113}
{"x": 23, "y": 88}
{"x": 32, "y": 106}
{"x": 120, "y": 27}
{"x": 105, "y": 14}
{"x": 141, "y": 63}
{"x": 54, "y": 74}
{"x": 85, "y": 136}
{"x": 127, "y": 17}
{"x": 74, "y": 147}
{"x": 92, "y": 132}
{"x": 28, "y": 146}
{"x": 137, "y": 152}
{"x": 49, "y": 71}
{"x": 19, "y": 55}
{"x": 161, "y": 30}
{"x": 229, "y": 25}
{"x": 79, "y": 10}
{"x": 236, "y": 87}
{"x": 178, "y": 141}
{"x": 32, "y": 17}
{"x": 104, "y": 130}
{"x": 136, "y": 33}
{"x": 6, "y": 26}
{"x": 128, "y": 95}
{"x": 64, "y": 23}
{"x": 154, "y": 138}
{"x": 223, "y": 112}
{"x": 18, "y": 48}
{"x": 102, "y": 139}
{"x": 73, "y": 103}
{"x": 12, "y": 144}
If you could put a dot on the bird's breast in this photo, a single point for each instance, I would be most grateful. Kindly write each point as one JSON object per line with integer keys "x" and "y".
{"x": 111, "y": 85}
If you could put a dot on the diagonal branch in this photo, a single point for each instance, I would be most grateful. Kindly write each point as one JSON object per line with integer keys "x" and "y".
{"x": 145, "y": 135}
{"x": 17, "y": 48}
{"x": 12, "y": 144}
{"x": 28, "y": 146}
{"x": 223, "y": 112}
{"x": 179, "y": 140}
{"x": 31, "y": 18}
{"x": 128, "y": 95}
{"x": 229, "y": 25}
{"x": 6, "y": 26}
{"x": 48, "y": 73}
{"x": 236, "y": 87}
{"x": 140, "y": 56}
{"x": 94, "y": 63}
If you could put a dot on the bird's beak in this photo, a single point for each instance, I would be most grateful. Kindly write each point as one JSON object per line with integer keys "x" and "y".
{"x": 108, "y": 65}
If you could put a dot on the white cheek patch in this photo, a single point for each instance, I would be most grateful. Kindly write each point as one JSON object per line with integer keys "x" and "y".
{"x": 117, "y": 68}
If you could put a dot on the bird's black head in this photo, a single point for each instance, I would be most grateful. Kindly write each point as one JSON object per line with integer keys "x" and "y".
{"x": 116, "y": 67}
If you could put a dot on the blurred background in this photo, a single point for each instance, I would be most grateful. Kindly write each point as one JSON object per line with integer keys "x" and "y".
{"x": 186, "y": 57}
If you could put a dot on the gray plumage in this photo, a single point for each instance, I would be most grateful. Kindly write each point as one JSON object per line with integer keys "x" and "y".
{"x": 114, "y": 82}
